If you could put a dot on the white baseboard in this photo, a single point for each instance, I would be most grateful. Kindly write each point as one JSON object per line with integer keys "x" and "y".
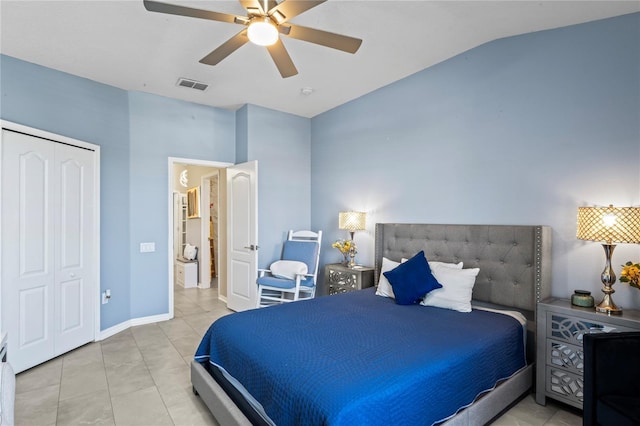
{"x": 104, "y": 334}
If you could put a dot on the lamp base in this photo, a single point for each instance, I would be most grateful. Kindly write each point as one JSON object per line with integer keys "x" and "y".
{"x": 607, "y": 306}
{"x": 608, "y": 278}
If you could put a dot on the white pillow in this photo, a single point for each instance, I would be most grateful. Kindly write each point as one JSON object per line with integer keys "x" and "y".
{"x": 190, "y": 252}
{"x": 457, "y": 287}
{"x": 435, "y": 264}
{"x": 384, "y": 287}
{"x": 288, "y": 269}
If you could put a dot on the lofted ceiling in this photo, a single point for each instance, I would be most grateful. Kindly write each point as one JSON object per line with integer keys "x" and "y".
{"x": 121, "y": 44}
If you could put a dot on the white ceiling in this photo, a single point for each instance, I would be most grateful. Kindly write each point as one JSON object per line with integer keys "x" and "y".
{"x": 121, "y": 44}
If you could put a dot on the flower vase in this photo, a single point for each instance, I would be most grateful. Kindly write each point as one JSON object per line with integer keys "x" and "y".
{"x": 345, "y": 259}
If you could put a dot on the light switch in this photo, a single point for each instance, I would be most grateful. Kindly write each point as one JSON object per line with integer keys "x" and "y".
{"x": 147, "y": 247}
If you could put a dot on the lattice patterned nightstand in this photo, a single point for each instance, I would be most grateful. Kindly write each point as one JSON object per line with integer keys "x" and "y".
{"x": 559, "y": 359}
{"x": 341, "y": 279}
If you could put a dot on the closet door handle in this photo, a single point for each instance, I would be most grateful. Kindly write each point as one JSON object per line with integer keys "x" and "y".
{"x": 252, "y": 247}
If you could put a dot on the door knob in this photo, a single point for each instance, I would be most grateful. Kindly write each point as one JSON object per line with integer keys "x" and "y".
{"x": 252, "y": 247}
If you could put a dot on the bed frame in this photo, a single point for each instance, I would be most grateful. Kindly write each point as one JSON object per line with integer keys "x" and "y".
{"x": 515, "y": 272}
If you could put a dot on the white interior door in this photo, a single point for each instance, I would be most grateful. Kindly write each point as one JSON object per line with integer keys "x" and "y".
{"x": 74, "y": 257}
{"x": 48, "y": 257}
{"x": 242, "y": 242}
{"x": 28, "y": 270}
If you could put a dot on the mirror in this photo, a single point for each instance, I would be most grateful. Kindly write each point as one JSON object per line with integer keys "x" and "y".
{"x": 193, "y": 202}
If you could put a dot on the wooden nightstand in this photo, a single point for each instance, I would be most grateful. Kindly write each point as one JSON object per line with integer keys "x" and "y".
{"x": 342, "y": 279}
{"x": 559, "y": 359}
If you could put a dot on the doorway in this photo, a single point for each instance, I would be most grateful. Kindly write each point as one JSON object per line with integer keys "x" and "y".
{"x": 205, "y": 230}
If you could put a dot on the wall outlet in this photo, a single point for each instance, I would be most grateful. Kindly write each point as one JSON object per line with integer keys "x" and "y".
{"x": 106, "y": 295}
{"x": 147, "y": 247}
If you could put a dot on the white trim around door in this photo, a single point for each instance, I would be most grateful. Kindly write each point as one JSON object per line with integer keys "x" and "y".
{"x": 172, "y": 161}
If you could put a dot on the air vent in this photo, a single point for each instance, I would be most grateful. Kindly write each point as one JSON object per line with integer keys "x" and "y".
{"x": 192, "y": 84}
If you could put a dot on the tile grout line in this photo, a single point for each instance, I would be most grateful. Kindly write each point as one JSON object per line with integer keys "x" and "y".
{"x": 59, "y": 389}
{"x": 113, "y": 413}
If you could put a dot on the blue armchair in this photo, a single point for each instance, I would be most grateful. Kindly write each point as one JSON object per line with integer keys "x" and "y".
{"x": 294, "y": 276}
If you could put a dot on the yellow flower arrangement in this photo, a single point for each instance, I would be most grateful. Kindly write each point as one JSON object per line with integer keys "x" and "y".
{"x": 345, "y": 246}
{"x": 631, "y": 274}
{"x": 348, "y": 249}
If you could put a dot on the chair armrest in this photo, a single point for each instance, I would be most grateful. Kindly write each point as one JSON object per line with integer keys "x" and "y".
{"x": 300, "y": 277}
{"x": 261, "y": 272}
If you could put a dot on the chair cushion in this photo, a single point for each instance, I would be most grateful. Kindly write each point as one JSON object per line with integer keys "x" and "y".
{"x": 302, "y": 251}
{"x": 288, "y": 269}
{"x": 283, "y": 283}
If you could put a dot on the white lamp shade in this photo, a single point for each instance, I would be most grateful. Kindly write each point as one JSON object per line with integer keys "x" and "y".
{"x": 352, "y": 221}
{"x": 609, "y": 224}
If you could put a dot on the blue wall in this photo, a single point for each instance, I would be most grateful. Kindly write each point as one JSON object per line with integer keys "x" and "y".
{"x": 521, "y": 130}
{"x": 282, "y": 145}
{"x": 137, "y": 133}
{"x": 162, "y": 128}
{"x": 82, "y": 109}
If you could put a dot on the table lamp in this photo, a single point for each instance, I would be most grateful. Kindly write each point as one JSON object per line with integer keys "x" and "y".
{"x": 609, "y": 225}
{"x": 352, "y": 222}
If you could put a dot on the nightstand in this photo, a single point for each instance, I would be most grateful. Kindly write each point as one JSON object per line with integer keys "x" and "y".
{"x": 342, "y": 279}
{"x": 559, "y": 358}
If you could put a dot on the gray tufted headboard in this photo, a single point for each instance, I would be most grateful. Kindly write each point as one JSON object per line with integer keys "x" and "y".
{"x": 514, "y": 261}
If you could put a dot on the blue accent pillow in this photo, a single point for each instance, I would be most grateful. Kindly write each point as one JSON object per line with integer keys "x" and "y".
{"x": 411, "y": 280}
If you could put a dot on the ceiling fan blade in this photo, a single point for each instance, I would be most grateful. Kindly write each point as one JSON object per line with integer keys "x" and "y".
{"x": 325, "y": 38}
{"x": 291, "y": 8}
{"x": 226, "y": 48}
{"x": 258, "y": 6}
{"x": 282, "y": 59}
{"x": 172, "y": 9}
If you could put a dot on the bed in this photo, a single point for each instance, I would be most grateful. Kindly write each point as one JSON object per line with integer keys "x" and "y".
{"x": 360, "y": 383}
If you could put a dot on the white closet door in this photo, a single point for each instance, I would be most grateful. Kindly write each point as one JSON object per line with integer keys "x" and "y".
{"x": 74, "y": 247}
{"x": 28, "y": 269}
{"x": 47, "y": 248}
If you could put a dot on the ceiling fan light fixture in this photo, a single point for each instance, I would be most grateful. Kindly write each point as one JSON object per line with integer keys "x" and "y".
{"x": 262, "y": 31}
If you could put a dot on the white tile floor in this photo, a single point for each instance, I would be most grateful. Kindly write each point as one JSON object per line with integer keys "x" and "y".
{"x": 141, "y": 377}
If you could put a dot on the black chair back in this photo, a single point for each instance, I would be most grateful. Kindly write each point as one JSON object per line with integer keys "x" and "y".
{"x": 611, "y": 379}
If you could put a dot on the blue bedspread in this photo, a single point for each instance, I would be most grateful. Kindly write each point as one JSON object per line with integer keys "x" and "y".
{"x": 358, "y": 358}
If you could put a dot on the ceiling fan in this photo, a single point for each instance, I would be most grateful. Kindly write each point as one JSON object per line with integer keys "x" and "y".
{"x": 264, "y": 23}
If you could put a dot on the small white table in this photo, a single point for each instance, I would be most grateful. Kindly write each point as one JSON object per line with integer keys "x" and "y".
{"x": 187, "y": 273}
